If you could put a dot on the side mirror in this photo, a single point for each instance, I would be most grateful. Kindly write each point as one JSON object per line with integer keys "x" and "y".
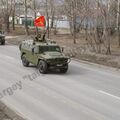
{"x": 32, "y": 50}
{"x": 62, "y": 49}
{"x": 35, "y": 50}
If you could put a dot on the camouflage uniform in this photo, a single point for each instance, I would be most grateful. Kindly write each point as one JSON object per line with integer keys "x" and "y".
{"x": 41, "y": 36}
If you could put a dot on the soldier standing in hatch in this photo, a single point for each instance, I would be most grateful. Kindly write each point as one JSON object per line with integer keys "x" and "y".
{"x": 40, "y": 37}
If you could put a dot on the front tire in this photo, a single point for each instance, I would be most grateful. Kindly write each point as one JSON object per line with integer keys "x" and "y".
{"x": 64, "y": 70}
{"x": 25, "y": 62}
{"x": 42, "y": 66}
{"x": 3, "y": 43}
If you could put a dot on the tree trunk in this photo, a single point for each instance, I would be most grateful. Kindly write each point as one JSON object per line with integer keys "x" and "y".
{"x": 13, "y": 21}
{"x": 108, "y": 52}
{"x": 13, "y": 16}
{"x": 118, "y": 22}
{"x": 74, "y": 34}
{"x": 119, "y": 37}
{"x": 47, "y": 16}
{"x": 7, "y": 24}
{"x": 26, "y": 24}
{"x": 74, "y": 21}
{"x": 52, "y": 21}
{"x": 36, "y": 28}
{"x": 48, "y": 28}
{"x": 109, "y": 30}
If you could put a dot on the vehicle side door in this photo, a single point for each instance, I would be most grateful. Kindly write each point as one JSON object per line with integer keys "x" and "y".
{"x": 34, "y": 55}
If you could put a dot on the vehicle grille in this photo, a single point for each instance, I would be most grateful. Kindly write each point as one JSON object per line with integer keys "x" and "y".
{"x": 60, "y": 60}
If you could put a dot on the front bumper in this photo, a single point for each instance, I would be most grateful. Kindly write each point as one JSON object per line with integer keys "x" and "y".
{"x": 58, "y": 63}
{"x": 58, "y": 66}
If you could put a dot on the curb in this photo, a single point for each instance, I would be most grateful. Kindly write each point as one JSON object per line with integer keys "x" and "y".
{"x": 7, "y": 111}
{"x": 96, "y": 65}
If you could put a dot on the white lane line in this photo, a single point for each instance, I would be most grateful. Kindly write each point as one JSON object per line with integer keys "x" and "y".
{"x": 116, "y": 97}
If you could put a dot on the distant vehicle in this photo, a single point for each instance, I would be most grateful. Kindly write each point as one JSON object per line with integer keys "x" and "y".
{"x": 2, "y": 38}
{"x": 45, "y": 54}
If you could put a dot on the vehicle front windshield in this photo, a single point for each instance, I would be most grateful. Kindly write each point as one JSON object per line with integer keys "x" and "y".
{"x": 50, "y": 49}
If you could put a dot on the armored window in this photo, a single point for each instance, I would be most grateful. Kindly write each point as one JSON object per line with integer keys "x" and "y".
{"x": 50, "y": 48}
{"x": 36, "y": 49}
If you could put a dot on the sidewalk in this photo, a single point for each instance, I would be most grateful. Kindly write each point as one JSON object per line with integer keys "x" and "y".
{"x": 16, "y": 40}
{"x": 6, "y": 113}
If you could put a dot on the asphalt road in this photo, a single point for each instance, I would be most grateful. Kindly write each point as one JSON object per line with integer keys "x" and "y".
{"x": 86, "y": 92}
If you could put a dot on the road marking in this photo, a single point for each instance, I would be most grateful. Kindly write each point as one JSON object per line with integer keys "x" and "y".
{"x": 116, "y": 97}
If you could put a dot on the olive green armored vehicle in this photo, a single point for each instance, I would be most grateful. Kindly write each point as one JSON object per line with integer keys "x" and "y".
{"x": 45, "y": 54}
{"x": 2, "y": 38}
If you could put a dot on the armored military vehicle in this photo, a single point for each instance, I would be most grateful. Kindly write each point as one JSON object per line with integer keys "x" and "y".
{"x": 45, "y": 54}
{"x": 2, "y": 38}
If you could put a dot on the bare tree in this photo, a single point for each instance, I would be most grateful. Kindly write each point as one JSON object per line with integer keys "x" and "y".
{"x": 6, "y": 6}
{"x": 26, "y": 12}
{"x": 35, "y": 14}
{"x": 13, "y": 14}
{"x": 75, "y": 9}
{"x": 118, "y": 21}
{"x": 70, "y": 10}
{"x": 47, "y": 17}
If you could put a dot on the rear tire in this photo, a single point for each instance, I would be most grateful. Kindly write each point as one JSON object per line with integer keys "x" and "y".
{"x": 42, "y": 66}
{"x": 25, "y": 62}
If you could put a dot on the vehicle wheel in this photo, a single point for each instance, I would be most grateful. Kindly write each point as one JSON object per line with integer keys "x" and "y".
{"x": 25, "y": 61}
{"x": 64, "y": 70}
{"x": 42, "y": 66}
{"x": 3, "y": 43}
{"x": 20, "y": 47}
